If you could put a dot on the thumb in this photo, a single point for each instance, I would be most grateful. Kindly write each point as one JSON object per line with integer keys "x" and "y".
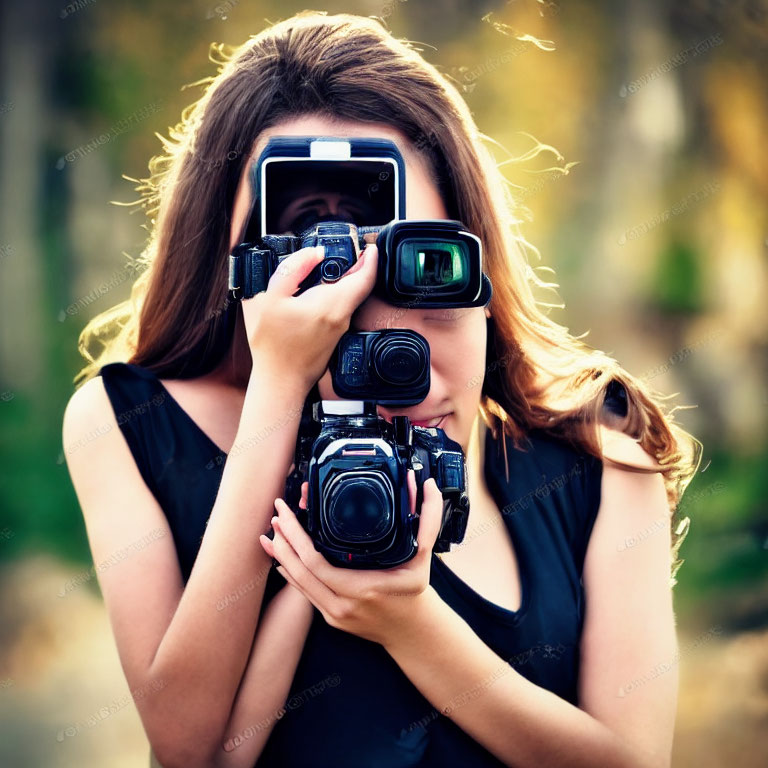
{"x": 293, "y": 269}
{"x": 357, "y": 282}
{"x": 369, "y": 252}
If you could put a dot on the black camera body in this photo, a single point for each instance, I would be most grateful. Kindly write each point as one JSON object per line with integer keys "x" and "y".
{"x": 355, "y": 462}
{"x": 390, "y": 366}
{"x": 358, "y": 509}
{"x": 251, "y": 265}
{"x": 426, "y": 263}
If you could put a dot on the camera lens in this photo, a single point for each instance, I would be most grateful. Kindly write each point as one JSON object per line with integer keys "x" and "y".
{"x": 432, "y": 264}
{"x": 359, "y": 507}
{"x": 398, "y": 360}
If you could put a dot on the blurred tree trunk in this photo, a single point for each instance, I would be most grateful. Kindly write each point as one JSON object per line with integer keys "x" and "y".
{"x": 26, "y": 55}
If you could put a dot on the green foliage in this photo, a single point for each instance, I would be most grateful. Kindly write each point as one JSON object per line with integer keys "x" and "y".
{"x": 726, "y": 550}
{"x": 677, "y": 285}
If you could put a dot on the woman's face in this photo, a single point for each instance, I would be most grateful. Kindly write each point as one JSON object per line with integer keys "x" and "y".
{"x": 456, "y": 337}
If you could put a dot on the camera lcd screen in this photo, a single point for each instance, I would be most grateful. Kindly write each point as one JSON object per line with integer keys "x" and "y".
{"x": 297, "y": 193}
{"x": 435, "y": 264}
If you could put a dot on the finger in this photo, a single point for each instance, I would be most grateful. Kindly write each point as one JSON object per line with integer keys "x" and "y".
{"x": 293, "y": 269}
{"x": 287, "y": 576}
{"x": 268, "y": 546}
{"x": 304, "y": 493}
{"x": 305, "y": 579}
{"x": 355, "y": 285}
{"x": 412, "y": 491}
{"x": 358, "y": 265}
{"x": 366, "y": 264}
{"x": 431, "y": 517}
{"x": 266, "y": 543}
{"x": 301, "y": 542}
{"x": 336, "y": 579}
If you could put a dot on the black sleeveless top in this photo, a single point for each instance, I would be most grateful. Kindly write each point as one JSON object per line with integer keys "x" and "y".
{"x": 349, "y": 703}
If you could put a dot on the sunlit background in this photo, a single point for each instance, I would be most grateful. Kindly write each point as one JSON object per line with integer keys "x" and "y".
{"x": 656, "y": 224}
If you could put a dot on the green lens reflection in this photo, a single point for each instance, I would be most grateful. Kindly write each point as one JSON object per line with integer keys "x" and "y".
{"x": 432, "y": 264}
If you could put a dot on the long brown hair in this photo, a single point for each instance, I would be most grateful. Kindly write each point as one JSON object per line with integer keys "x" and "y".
{"x": 179, "y": 323}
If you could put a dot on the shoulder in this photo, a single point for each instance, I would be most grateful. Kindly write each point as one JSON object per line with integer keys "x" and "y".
{"x": 88, "y": 419}
{"x": 106, "y": 467}
{"x": 88, "y": 405}
{"x": 633, "y": 502}
{"x": 629, "y": 615}
{"x": 88, "y": 434}
{"x": 624, "y": 452}
{"x": 546, "y": 453}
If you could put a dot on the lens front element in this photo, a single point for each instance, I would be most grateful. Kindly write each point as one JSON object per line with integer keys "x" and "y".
{"x": 359, "y": 507}
{"x": 432, "y": 264}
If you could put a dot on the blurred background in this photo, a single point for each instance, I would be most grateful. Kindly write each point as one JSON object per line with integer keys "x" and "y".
{"x": 657, "y": 232}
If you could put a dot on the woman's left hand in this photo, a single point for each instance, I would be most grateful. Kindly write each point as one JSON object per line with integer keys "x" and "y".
{"x": 373, "y": 604}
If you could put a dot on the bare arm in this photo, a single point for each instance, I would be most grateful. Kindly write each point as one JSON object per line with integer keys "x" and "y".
{"x": 186, "y": 657}
{"x": 204, "y": 649}
{"x": 629, "y": 631}
{"x": 276, "y": 652}
{"x": 183, "y": 658}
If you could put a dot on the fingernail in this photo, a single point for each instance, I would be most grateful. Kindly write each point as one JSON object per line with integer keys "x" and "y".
{"x": 320, "y": 251}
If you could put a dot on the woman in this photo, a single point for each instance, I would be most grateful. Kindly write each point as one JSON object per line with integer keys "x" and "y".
{"x": 521, "y": 646}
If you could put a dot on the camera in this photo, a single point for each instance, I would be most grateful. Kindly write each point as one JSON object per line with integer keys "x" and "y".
{"x": 355, "y": 462}
{"x": 251, "y": 265}
{"x": 390, "y": 366}
{"x": 429, "y": 263}
{"x": 426, "y": 263}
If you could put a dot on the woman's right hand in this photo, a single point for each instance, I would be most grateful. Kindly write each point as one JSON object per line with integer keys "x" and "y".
{"x": 297, "y": 334}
